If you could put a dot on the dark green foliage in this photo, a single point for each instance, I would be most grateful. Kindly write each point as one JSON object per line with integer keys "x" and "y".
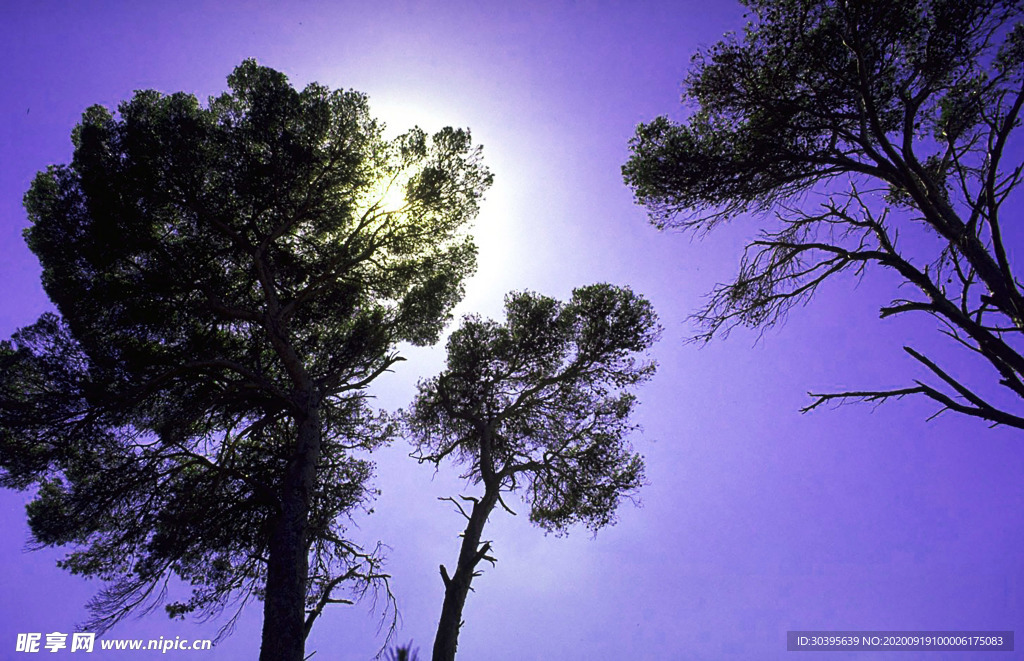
{"x": 229, "y": 279}
{"x": 897, "y": 114}
{"x": 538, "y": 405}
{"x": 819, "y": 89}
{"x": 542, "y": 402}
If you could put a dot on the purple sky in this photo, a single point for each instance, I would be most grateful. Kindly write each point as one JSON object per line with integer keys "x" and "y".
{"x": 757, "y": 519}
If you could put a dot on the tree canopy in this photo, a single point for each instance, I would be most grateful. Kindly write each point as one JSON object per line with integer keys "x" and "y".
{"x": 901, "y": 115}
{"x": 229, "y": 279}
{"x": 538, "y": 405}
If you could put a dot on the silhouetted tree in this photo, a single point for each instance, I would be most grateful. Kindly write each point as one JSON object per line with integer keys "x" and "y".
{"x": 539, "y": 405}
{"x": 404, "y": 653}
{"x": 902, "y": 115}
{"x": 230, "y": 278}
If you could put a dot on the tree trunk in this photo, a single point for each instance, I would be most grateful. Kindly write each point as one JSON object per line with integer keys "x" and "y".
{"x": 456, "y": 588}
{"x": 284, "y": 604}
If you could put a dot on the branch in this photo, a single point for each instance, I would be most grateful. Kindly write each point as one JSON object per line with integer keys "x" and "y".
{"x": 975, "y": 406}
{"x": 860, "y": 396}
{"x": 457, "y": 505}
{"x": 481, "y": 554}
{"x": 501, "y": 501}
{"x": 333, "y": 387}
{"x": 908, "y": 306}
{"x": 1009, "y": 122}
{"x": 326, "y": 599}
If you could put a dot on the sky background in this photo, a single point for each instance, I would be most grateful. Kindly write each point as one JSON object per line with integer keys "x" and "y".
{"x": 757, "y": 519}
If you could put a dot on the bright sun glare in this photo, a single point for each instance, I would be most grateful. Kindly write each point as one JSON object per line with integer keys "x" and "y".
{"x": 392, "y": 197}
{"x": 491, "y": 230}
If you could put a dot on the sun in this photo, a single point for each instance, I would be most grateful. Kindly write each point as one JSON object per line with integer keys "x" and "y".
{"x": 493, "y": 231}
{"x": 391, "y": 197}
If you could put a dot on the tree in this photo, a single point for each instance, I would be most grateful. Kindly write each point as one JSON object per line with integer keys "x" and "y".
{"x": 403, "y": 653}
{"x": 230, "y": 279}
{"x": 904, "y": 116}
{"x": 539, "y": 405}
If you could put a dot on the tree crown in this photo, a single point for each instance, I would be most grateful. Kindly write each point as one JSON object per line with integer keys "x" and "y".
{"x": 224, "y": 275}
{"x": 544, "y": 399}
{"x": 815, "y": 90}
{"x": 901, "y": 115}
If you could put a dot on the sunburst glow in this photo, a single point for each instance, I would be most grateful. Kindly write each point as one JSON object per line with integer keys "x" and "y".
{"x": 391, "y": 197}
